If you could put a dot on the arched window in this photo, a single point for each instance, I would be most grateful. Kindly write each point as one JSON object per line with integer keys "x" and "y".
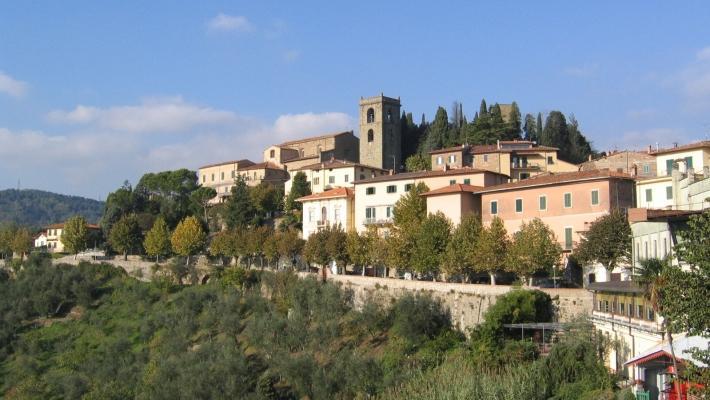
{"x": 272, "y": 153}
{"x": 370, "y": 136}
{"x": 370, "y": 115}
{"x": 323, "y": 214}
{"x": 389, "y": 115}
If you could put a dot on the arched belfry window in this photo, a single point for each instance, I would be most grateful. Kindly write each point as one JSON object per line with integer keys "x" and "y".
{"x": 389, "y": 115}
{"x": 370, "y": 136}
{"x": 370, "y": 115}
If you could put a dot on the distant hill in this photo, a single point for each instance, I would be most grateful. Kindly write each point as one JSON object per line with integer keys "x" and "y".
{"x": 37, "y": 208}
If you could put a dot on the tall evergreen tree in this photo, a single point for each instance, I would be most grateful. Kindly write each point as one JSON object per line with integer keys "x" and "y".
{"x": 483, "y": 109}
{"x": 555, "y": 133}
{"x": 512, "y": 132}
{"x": 437, "y": 132}
{"x": 538, "y": 128}
{"x": 579, "y": 147}
{"x": 239, "y": 210}
{"x": 529, "y": 128}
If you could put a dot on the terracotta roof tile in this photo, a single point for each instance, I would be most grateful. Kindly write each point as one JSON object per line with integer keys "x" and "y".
{"x": 425, "y": 174}
{"x": 455, "y": 188}
{"x": 328, "y": 194}
{"x": 240, "y": 163}
{"x": 557, "y": 178}
{"x": 262, "y": 165}
{"x": 336, "y": 164}
{"x": 308, "y": 139}
{"x": 689, "y": 146}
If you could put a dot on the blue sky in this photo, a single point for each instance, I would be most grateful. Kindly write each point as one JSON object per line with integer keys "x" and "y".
{"x": 93, "y": 93}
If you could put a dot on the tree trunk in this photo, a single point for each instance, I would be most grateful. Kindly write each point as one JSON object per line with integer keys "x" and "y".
{"x": 125, "y": 256}
{"x": 187, "y": 261}
{"x": 529, "y": 281}
{"x": 676, "y": 379}
{"x": 493, "y": 278}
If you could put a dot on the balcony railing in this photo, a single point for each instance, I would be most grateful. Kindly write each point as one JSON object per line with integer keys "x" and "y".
{"x": 377, "y": 221}
{"x": 525, "y": 166}
{"x": 638, "y": 324}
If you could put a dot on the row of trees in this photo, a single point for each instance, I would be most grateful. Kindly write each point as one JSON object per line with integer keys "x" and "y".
{"x": 16, "y": 240}
{"x": 430, "y": 245}
{"x": 489, "y": 125}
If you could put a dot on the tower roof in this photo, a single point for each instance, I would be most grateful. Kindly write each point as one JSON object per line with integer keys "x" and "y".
{"x": 381, "y": 98}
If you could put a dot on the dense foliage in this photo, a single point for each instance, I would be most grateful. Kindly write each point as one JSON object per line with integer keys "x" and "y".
{"x": 37, "y": 208}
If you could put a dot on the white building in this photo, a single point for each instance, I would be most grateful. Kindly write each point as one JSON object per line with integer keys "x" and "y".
{"x": 375, "y": 197}
{"x": 41, "y": 241}
{"x": 334, "y": 173}
{"x": 330, "y": 208}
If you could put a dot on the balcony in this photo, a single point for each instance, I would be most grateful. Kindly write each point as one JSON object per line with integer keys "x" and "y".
{"x": 377, "y": 221}
{"x": 526, "y": 166}
{"x": 651, "y": 327}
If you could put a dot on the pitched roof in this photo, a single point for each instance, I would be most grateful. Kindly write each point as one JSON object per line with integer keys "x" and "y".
{"x": 426, "y": 174}
{"x": 309, "y": 139}
{"x": 495, "y": 148}
{"x": 328, "y": 194}
{"x": 61, "y": 226}
{"x": 689, "y": 146}
{"x": 290, "y": 160}
{"x": 262, "y": 165}
{"x": 557, "y": 178}
{"x": 240, "y": 163}
{"x": 682, "y": 347}
{"x": 455, "y": 188}
{"x": 335, "y": 163}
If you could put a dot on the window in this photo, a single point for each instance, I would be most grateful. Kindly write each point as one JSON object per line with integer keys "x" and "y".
{"x": 645, "y": 250}
{"x": 272, "y": 153}
{"x": 494, "y": 207}
{"x": 646, "y": 169}
{"x": 347, "y": 178}
{"x": 452, "y": 159}
{"x": 232, "y": 173}
{"x": 669, "y": 167}
{"x": 370, "y": 190}
{"x": 362, "y": 176}
{"x": 622, "y": 308}
{"x": 568, "y": 200}
{"x": 655, "y": 248}
{"x": 452, "y": 182}
{"x": 204, "y": 178}
{"x": 639, "y": 311}
{"x": 599, "y": 308}
{"x": 311, "y": 214}
{"x": 518, "y": 205}
{"x": 370, "y": 116}
{"x": 649, "y": 195}
{"x": 568, "y": 238}
{"x": 392, "y": 189}
{"x": 408, "y": 187}
{"x": 665, "y": 247}
{"x": 650, "y": 315}
{"x": 331, "y": 179}
{"x": 595, "y": 197}
{"x": 389, "y": 115}
{"x": 485, "y": 158}
{"x": 439, "y": 160}
{"x": 524, "y": 175}
{"x": 316, "y": 181}
{"x": 550, "y": 161}
{"x": 543, "y": 203}
{"x": 688, "y": 162}
{"x": 336, "y": 214}
{"x": 467, "y": 181}
{"x": 389, "y": 211}
{"x": 212, "y": 177}
{"x": 221, "y": 176}
{"x": 669, "y": 192}
{"x": 370, "y": 136}
{"x": 606, "y": 305}
{"x": 323, "y": 214}
{"x": 370, "y": 212}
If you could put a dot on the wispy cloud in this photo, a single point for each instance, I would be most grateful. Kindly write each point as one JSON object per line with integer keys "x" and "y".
{"x": 230, "y": 23}
{"x": 11, "y": 86}
{"x": 151, "y": 116}
{"x": 291, "y": 55}
{"x": 291, "y": 126}
{"x": 582, "y": 71}
{"x": 693, "y": 82}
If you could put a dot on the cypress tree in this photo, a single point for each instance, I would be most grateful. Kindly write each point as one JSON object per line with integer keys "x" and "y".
{"x": 239, "y": 210}
{"x": 538, "y": 128}
{"x": 483, "y": 110}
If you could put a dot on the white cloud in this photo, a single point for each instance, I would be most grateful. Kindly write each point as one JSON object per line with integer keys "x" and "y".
{"x": 228, "y": 23}
{"x": 291, "y": 55}
{"x": 152, "y": 115}
{"x": 291, "y": 126}
{"x": 703, "y": 54}
{"x": 582, "y": 71}
{"x": 11, "y": 86}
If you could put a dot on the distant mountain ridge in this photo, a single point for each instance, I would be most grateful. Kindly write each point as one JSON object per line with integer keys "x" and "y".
{"x": 37, "y": 208}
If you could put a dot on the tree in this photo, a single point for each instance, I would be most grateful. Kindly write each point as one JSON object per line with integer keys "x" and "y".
{"x": 437, "y": 132}
{"x": 512, "y": 132}
{"x": 75, "y": 235}
{"x": 579, "y": 147}
{"x": 299, "y": 188}
{"x": 157, "y": 240}
{"x": 201, "y": 198}
{"x": 22, "y": 242}
{"x": 188, "y": 238}
{"x": 266, "y": 200}
{"x": 125, "y": 235}
{"x": 223, "y": 244}
{"x": 289, "y": 244}
{"x": 239, "y": 211}
{"x": 335, "y": 246}
{"x": 409, "y": 212}
{"x": 417, "y": 162}
{"x": 608, "y": 241}
{"x": 314, "y": 250}
{"x": 358, "y": 249}
{"x": 534, "y": 247}
{"x": 168, "y": 194}
{"x": 529, "y": 130}
{"x": 7, "y": 233}
{"x": 538, "y": 129}
{"x": 430, "y": 243}
{"x": 492, "y": 248}
{"x": 460, "y": 252}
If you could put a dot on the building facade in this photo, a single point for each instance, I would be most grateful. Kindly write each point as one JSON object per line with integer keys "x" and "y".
{"x": 519, "y": 159}
{"x": 220, "y": 176}
{"x": 333, "y": 174}
{"x": 693, "y": 155}
{"x": 635, "y": 163}
{"x": 329, "y": 208}
{"x": 53, "y": 236}
{"x": 296, "y": 154}
{"x": 380, "y": 132}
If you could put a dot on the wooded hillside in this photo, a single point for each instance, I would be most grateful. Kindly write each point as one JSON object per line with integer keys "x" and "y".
{"x": 37, "y": 208}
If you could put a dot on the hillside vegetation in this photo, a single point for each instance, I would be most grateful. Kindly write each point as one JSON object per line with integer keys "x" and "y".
{"x": 37, "y": 208}
{"x": 93, "y": 332}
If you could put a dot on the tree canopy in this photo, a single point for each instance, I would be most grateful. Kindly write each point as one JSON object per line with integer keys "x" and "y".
{"x": 608, "y": 241}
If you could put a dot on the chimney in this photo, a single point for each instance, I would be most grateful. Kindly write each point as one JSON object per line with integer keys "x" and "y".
{"x": 589, "y": 157}
{"x": 706, "y": 172}
{"x": 649, "y": 149}
{"x": 391, "y": 171}
{"x": 675, "y": 144}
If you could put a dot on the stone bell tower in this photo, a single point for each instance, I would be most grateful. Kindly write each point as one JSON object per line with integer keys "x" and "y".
{"x": 380, "y": 132}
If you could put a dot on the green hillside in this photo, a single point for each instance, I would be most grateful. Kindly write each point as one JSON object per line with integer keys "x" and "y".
{"x": 37, "y": 208}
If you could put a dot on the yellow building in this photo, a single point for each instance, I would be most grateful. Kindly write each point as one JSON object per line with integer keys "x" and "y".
{"x": 299, "y": 153}
{"x": 519, "y": 159}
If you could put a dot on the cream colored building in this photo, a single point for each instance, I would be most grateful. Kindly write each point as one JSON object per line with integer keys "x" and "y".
{"x": 693, "y": 155}
{"x": 518, "y": 159}
{"x": 635, "y": 163}
{"x": 329, "y": 208}
{"x": 333, "y": 174}
{"x": 53, "y": 234}
{"x": 296, "y": 154}
{"x": 375, "y": 197}
{"x": 220, "y": 176}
